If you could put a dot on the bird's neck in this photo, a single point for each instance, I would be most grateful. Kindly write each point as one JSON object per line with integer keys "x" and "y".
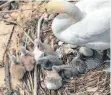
{"x": 71, "y": 15}
{"x": 73, "y": 11}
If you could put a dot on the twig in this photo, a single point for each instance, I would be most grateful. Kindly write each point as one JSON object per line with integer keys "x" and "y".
{"x": 43, "y": 90}
{"x": 8, "y": 44}
{"x": 11, "y": 11}
{"x": 7, "y": 74}
{"x": 25, "y": 32}
{"x": 35, "y": 80}
{"x": 38, "y": 79}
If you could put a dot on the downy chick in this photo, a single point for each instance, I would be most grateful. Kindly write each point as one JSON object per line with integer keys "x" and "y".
{"x": 66, "y": 71}
{"x": 40, "y": 47}
{"x": 43, "y": 47}
{"x": 94, "y": 61}
{"x": 53, "y": 80}
{"x": 75, "y": 68}
{"x": 17, "y": 71}
{"x": 79, "y": 64}
{"x": 37, "y": 52}
{"x": 47, "y": 61}
{"x": 27, "y": 59}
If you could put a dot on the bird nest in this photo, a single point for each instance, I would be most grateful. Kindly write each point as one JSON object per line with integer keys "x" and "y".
{"x": 95, "y": 82}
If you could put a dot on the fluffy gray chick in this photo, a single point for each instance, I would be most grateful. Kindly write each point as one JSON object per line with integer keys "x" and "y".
{"x": 47, "y": 61}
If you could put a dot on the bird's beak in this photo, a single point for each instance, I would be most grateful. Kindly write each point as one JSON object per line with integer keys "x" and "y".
{"x": 54, "y": 7}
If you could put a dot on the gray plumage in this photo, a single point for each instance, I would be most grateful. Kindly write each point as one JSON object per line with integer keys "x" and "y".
{"x": 66, "y": 71}
{"x": 47, "y": 61}
{"x": 94, "y": 61}
{"x": 53, "y": 80}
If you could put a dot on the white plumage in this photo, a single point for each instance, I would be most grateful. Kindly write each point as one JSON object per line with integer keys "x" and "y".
{"x": 87, "y": 23}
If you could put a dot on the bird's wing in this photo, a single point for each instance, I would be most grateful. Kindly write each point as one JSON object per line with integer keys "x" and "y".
{"x": 93, "y": 25}
{"x": 90, "y": 5}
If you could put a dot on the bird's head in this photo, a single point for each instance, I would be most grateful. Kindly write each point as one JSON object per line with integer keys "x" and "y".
{"x": 55, "y": 7}
{"x": 61, "y": 6}
{"x": 45, "y": 63}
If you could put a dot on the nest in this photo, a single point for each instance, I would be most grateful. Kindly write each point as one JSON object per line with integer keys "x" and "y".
{"x": 94, "y": 82}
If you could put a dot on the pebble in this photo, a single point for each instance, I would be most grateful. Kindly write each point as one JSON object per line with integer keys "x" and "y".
{"x": 86, "y": 51}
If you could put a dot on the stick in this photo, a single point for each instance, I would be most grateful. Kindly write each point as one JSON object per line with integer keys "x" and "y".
{"x": 35, "y": 80}
{"x": 38, "y": 79}
{"x": 8, "y": 43}
{"x": 7, "y": 74}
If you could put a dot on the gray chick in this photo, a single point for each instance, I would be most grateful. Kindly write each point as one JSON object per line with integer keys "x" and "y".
{"x": 79, "y": 64}
{"x": 66, "y": 71}
{"x": 75, "y": 68}
{"x": 53, "y": 80}
{"x": 47, "y": 61}
{"x": 94, "y": 61}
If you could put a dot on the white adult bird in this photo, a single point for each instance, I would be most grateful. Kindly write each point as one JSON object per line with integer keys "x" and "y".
{"x": 86, "y": 23}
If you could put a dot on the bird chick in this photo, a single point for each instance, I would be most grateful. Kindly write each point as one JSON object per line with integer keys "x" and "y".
{"x": 94, "y": 61}
{"x": 66, "y": 71}
{"x": 17, "y": 71}
{"x": 75, "y": 68}
{"x": 47, "y": 61}
{"x": 40, "y": 47}
{"x": 27, "y": 59}
{"x": 53, "y": 80}
{"x": 37, "y": 52}
{"x": 43, "y": 47}
{"x": 79, "y": 64}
